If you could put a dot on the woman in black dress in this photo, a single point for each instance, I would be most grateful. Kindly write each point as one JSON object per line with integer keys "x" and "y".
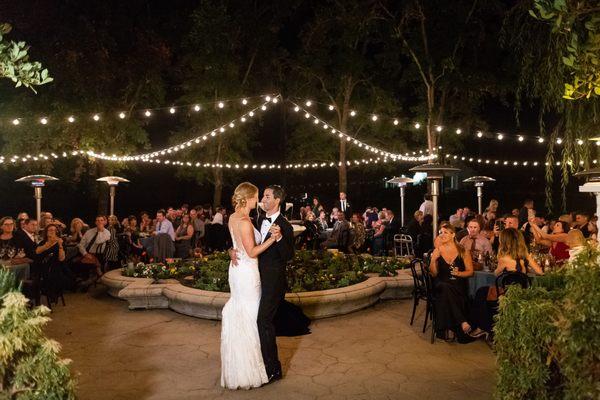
{"x": 451, "y": 265}
{"x": 51, "y": 255}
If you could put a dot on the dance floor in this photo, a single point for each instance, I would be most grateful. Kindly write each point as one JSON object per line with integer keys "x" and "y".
{"x": 159, "y": 354}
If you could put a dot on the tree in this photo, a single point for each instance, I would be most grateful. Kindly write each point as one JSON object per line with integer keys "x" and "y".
{"x": 230, "y": 49}
{"x": 577, "y": 24}
{"x": 15, "y": 64}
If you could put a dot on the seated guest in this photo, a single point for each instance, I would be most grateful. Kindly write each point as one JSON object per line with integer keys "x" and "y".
{"x": 132, "y": 231}
{"x": 457, "y": 219}
{"x": 164, "y": 235}
{"x": 78, "y": 228}
{"x": 218, "y": 218}
{"x": 512, "y": 257}
{"x": 338, "y": 237}
{"x": 322, "y": 221}
{"x": 557, "y": 240}
{"x": 146, "y": 226}
{"x": 360, "y": 233}
{"x": 414, "y": 226}
{"x": 47, "y": 218}
{"x": 317, "y": 207}
{"x": 576, "y": 243}
{"x": 8, "y": 243}
{"x": 426, "y": 206}
{"x": 370, "y": 216}
{"x": 582, "y": 222}
{"x": 111, "y": 252}
{"x": 333, "y": 216}
{"x": 22, "y": 215}
{"x": 183, "y": 237}
{"x": 508, "y": 221}
{"x": 475, "y": 242}
{"x": 51, "y": 254}
{"x": 450, "y": 267}
{"x": 197, "y": 220}
{"x": 27, "y": 238}
{"x": 310, "y": 237}
{"x": 92, "y": 245}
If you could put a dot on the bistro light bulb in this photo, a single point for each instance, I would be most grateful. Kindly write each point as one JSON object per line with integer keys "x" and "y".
{"x": 122, "y": 115}
{"x": 308, "y": 103}
{"x": 353, "y": 113}
{"x": 96, "y": 117}
{"x": 221, "y": 104}
{"x": 331, "y": 108}
{"x": 541, "y": 140}
{"x": 147, "y": 113}
{"x": 374, "y": 118}
{"x": 244, "y": 101}
{"x": 44, "y": 121}
{"x": 458, "y": 131}
{"x": 396, "y": 122}
{"x": 521, "y": 138}
{"x": 172, "y": 110}
{"x": 71, "y": 119}
{"x": 558, "y": 141}
{"x": 16, "y": 121}
{"x": 417, "y": 125}
{"x": 479, "y": 134}
{"x": 196, "y": 108}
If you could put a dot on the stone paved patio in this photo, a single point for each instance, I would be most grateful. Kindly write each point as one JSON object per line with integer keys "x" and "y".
{"x": 159, "y": 354}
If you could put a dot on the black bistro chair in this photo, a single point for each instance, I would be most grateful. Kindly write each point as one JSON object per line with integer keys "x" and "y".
{"x": 423, "y": 291}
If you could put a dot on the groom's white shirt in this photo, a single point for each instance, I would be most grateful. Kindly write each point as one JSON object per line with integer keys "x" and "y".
{"x": 266, "y": 225}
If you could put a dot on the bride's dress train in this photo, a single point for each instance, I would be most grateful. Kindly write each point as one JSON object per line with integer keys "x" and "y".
{"x": 242, "y": 364}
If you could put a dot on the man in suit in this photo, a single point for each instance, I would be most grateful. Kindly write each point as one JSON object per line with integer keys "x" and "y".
{"x": 339, "y": 235}
{"x": 344, "y": 205}
{"x": 26, "y": 237}
{"x": 393, "y": 226}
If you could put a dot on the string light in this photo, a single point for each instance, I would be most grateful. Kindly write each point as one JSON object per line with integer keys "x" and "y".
{"x": 374, "y": 118}
{"x": 396, "y": 122}
{"x": 244, "y": 101}
{"x": 417, "y": 125}
{"x": 308, "y": 103}
{"x": 353, "y": 113}
{"x": 71, "y": 119}
{"x": 172, "y": 110}
{"x": 579, "y": 142}
{"x": 558, "y": 141}
{"x": 479, "y": 134}
{"x": 521, "y": 138}
{"x": 44, "y": 121}
{"x": 438, "y": 128}
{"x": 122, "y": 115}
{"x": 506, "y": 162}
{"x": 96, "y": 117}
{"x": 147, "y": 113}
{"x": 331, "y": 108}
{"x": 541, "y": 140}
{"x": 16, "y": 121}
{"x": 221, "y": 104}
{"x": 458, "y": 131}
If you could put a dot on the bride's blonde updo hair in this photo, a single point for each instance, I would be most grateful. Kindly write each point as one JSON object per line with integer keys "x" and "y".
{"x": 242, "y": 193}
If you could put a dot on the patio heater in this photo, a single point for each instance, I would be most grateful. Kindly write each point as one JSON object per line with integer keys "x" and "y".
{"x": 435, "y": 173}
{"x": 479, "y": 181}
{"x": 113, "y": 182}
{"x": 402, "y": 182}
{"x": 592, "y": 185}
{"x": 37, "y": 182}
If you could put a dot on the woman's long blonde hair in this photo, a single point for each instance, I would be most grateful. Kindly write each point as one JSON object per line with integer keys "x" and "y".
{"x": 242, "y": 193}
{"x": 512, "y": 244}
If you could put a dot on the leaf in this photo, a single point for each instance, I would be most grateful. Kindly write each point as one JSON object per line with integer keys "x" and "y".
{"x": 568, "y": 61}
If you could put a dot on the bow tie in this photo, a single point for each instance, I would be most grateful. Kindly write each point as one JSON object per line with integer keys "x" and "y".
{"x": 267, "y": 219}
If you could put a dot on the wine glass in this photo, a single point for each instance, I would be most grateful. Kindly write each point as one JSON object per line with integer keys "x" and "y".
{"x": 11, "y": 252}
{"x": 452, "y": 268}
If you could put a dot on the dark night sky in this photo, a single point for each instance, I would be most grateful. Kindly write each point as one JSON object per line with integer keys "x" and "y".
{"x": 153, "y": 186}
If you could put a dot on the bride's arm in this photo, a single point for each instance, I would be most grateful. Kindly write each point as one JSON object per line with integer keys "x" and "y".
{"x": 247, "y": 236}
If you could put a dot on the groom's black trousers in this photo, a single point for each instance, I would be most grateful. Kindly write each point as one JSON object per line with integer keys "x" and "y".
{"x": 269, "y": 303}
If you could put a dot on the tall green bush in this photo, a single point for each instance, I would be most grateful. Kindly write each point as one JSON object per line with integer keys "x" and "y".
{"x": 30, "y": 368}
{"x": 547, "y": 338}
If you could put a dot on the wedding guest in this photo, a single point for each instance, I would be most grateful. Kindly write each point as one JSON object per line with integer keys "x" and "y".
{"x": 323, "y": 221}
{"x": 111, "y": 252}
{"x": 451, "y": 266}
{"x": 197, "y": 220}
{"x": 493, "y": 206}
{"x": 426, "y": 206}
{"x": 525, "y": 212}
{"x": 333, "y": 217}
{"x": 414, "y": 226}
{"x": 425, "y": 237}
{"x": 475, "y": 242}
{"x": 515, "y": 212}
{"x": 77, "y": 230}
{"x": 317, "y": 207}
{"x": 51, "y": 254}
{"x": 92, "y": 245}
{"x": 218, "y": 218}
{"x": 370, "y": 216}
{"x": 512, "y": 257}
{"x": 310, "y": 237}
{"x": 27, "y": 238}
{"x": 509, "y": 221}
{"x": 344, "y": 205}
{"x": 582, "y": 222}
{"x": 146, "y": 223}
{"x": 378, "y": 241}
{"x": 183, "y": 237}
{"x": 339, "y": 235}
{"x": 8, "y": 242}
{"x": 393, "y": 225}
{"x": 163, "y": 225}
{"x": 22, "y": 215}
{"x": 576, "y": 243}
{"x": 360, "y": 233}
{"x": 133, "y": 233}
{"x": 457, "y": 219}
{"x": 557, "y": 240}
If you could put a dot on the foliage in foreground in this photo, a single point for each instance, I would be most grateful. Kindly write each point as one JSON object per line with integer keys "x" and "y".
{"x": 547, "y": 337}
{"x": 30, "y": 368}
{"x": 308, "y": 270}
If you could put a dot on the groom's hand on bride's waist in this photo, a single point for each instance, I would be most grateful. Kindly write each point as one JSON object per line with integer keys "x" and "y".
{"x": 233, "y": 256}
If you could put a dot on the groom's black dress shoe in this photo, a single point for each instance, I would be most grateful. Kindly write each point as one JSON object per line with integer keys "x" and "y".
{"x": 274, "y": 377}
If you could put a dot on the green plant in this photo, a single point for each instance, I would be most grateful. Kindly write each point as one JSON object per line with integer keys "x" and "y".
{"x": 547, "y": 337}
{"x": 30, "y": 368}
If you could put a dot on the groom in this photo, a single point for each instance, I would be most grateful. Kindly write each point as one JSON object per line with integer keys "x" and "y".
{"x": 271, "y": 264}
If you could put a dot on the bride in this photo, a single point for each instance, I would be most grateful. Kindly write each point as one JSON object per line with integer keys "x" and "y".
{"x": 242, "y": 364}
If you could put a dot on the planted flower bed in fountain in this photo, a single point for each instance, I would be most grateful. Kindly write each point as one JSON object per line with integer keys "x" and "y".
{"x": 322, "y": 283}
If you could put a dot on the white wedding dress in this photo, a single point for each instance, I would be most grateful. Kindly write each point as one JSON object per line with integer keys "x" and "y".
{"x": 242, "y": 365}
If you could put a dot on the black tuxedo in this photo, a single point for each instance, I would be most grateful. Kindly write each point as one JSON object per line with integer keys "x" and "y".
{"x": 271, "y": 264}
{"x": 393, "y": 226}
{"x": 348, "y": 211}
{"x": 24, "y": 242}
